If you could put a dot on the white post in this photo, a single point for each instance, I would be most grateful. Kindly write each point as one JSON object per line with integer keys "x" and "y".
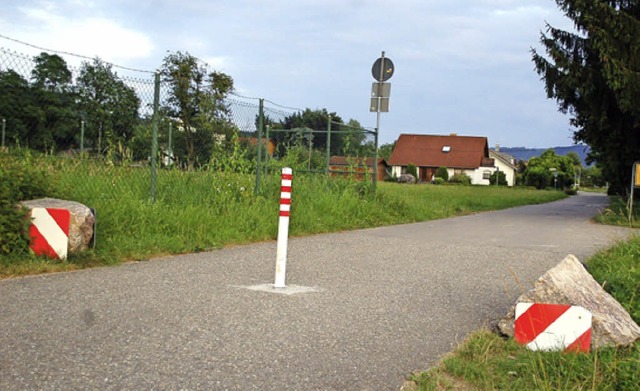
{"x": 283, "y": 228}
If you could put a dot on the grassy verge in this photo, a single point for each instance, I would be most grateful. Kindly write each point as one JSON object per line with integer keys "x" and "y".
{"x": 487, "y": 361}
{"x": 618, "y": 214}
{"x": 197, "y": 211}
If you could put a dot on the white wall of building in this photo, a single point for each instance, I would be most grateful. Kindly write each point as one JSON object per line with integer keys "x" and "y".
{"x": 396, "y": 171}
{"x": 477, "y": 176}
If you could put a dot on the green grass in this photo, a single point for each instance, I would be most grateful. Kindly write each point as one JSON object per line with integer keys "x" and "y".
{"x": 618, "y": 214}
{"x": 198, "y": 211}
{"x": 601, "y": 190}
{"x": 487, "y": 361}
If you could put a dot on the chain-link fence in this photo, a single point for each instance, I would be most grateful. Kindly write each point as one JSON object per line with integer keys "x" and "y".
{"x": 143, "y": 125}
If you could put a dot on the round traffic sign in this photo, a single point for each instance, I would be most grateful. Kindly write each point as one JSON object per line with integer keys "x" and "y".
{"x": 382, "y": 69}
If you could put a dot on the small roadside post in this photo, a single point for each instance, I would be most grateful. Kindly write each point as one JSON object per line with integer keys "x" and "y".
{"x": 635, "y": 182}
{"x": 283, "y": 228}
{"x": 555, "y": 178}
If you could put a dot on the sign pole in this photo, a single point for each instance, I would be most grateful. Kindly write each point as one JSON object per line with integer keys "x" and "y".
{"x": 375, "y": 160}
{"x": 381, "y": 71}
{"x": 634, "y": 183}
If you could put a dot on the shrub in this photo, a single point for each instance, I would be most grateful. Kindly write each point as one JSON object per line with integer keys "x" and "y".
{"x": 18, "y": 182}
{"x": 502, "y": 178}
{"x": 442, "y": 172}
{"x": 462, "y": 179}
{"x": 438, "y": 181}
{"x": 571, "y": 191}
{"x": 539, "y": 177}
{"x": 412, "y": 169}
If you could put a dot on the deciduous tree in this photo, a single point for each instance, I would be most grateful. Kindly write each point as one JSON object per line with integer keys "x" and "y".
{"x": 53, "y": 92}
{"x": 543, "y": 171}
{"x": 18, "y": 108}
{"x": 108, "y": 106}
{"x": 197, "y": 100}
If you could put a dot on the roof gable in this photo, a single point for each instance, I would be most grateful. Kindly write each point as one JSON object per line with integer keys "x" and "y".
{"x": 440, "y": 151}
{"x": 504, "y": 158}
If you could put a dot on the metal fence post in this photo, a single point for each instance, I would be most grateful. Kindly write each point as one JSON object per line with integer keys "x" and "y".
{"x": 154, "y": 135}
{"x": 82, "y": 137}
{"x": 329, "y": 145}
{"x": 4, "y": 130}
{"x": 260, "y": 126}
{"x": 170, "y": 146}
{"x": 375, "y": 163}
{"x": 266, "y": 153}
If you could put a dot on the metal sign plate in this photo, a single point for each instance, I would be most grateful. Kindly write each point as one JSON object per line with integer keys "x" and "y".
{"x": 380, "y": 89}
{"x": 384, "y": 105}
{"x": 387, "y": 71}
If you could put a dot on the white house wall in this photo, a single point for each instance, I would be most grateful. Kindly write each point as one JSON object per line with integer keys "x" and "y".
{"x": 509, "y": 172}
{"x": 477, "y": 175}
{"x": 396, "y": 171}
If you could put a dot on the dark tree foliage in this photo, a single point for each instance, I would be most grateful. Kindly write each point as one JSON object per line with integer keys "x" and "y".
{"x": 51, "y": 73}
{"x": 53, "y": 92}
{"x": 18, "y": 108}
{"x": 385, "y": 150}
{"x": 108, "y": 106}
{"x": 594, "y": 75}
{"x": 550, "y": 169}
{"x": 310, "y": 120}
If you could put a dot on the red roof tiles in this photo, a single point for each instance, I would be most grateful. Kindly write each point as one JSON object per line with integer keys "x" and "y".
{"x": 430, "y": 151}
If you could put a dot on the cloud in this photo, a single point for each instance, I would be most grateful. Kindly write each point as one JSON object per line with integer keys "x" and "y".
{"x": 218, "y": 63}
{"x": 50, "y": 27}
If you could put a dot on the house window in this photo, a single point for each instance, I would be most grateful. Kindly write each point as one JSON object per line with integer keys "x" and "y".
{"x": 446, "y": 149}
{"x": 486, "y": 174}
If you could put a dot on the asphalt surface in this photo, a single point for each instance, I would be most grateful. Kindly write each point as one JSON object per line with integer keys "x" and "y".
{"x": 387, "y": 301}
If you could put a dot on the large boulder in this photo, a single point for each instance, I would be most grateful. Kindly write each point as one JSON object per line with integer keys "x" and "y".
{"x": 81, "y": 222}
{"x": 570, "y": 283}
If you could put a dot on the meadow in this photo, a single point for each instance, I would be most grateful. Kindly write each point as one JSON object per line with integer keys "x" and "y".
{"x": 205, "y": 210}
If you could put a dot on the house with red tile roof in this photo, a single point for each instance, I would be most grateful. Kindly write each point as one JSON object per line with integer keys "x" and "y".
{"x": 459, "y": 154}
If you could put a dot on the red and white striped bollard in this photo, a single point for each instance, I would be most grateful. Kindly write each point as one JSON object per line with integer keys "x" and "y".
{"x": 283, "y": 228}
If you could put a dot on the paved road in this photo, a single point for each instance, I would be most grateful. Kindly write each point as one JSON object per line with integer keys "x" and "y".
{"x": 390, "y": 300}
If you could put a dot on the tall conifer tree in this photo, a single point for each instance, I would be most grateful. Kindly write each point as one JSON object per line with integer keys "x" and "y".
{"x": 594, "y": 75}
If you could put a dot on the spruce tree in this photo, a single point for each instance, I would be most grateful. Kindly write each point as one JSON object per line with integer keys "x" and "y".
{"x": 594, "y": 75}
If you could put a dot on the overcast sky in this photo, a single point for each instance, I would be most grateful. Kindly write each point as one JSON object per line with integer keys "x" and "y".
{"x": 461, "y": 66}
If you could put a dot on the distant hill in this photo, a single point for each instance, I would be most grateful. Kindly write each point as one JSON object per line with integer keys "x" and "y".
{"x": 522, "y": 153}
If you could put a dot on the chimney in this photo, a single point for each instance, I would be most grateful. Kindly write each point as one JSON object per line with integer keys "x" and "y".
{"x": 497, "y": 147}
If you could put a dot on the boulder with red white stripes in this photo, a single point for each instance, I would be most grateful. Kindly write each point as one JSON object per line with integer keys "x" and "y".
{"x": 81, "y": 220}
{"x": 569, "y": 283}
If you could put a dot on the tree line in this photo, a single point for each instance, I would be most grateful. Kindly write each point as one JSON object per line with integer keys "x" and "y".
{"x": 45, "y": 112}
{"x": 49, "y": 110}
